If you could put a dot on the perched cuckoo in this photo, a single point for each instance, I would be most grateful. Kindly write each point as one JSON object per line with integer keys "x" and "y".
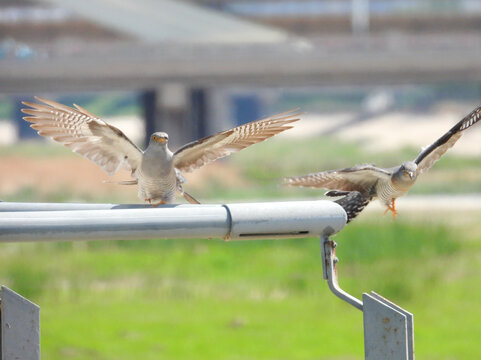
{"x": 385, "y": 184}
{"x": 156, "y": 170}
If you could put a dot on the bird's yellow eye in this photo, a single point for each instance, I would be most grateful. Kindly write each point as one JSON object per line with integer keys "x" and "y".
{"x": 154, "y": 138}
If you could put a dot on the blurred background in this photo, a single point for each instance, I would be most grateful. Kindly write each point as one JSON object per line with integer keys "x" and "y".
{"x": 377, "y": 80}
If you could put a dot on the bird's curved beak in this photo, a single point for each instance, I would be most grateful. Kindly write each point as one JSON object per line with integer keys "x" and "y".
{"x": 161, "y": 140}
{"x": 411, "y": 175}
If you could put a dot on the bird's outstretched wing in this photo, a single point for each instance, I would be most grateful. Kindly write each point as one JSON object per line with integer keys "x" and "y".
{"x": 360, "y": 178}
{"x": 200, "y": 152}
{"x": 433, "y": 152}
{"x": 85, "y": 134}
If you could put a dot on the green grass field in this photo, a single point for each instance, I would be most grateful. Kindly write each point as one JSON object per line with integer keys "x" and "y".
{"x": 209, "y": 299}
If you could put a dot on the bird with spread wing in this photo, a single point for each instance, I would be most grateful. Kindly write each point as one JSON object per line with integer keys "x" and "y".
{"x": 156, "y": 170}
{"x": 385, "y": 184}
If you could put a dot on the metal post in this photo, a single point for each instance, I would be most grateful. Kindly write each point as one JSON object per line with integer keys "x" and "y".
{"x": 388, "y": 329}
{"x": 19, "y": 327}
{"x": 244, "y": 221}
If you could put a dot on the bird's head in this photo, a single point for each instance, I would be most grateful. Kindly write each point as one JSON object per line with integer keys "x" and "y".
{"x": 409, "y": 170}
{"x": 406, "y": 173}
{"x": 159, "y": 138}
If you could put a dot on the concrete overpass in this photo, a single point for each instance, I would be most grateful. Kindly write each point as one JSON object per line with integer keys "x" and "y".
{"x": 344, "y": 60}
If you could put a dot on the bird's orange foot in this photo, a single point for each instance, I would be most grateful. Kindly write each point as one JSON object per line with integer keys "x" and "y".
{"x": 162, "y": 202}
{"x": 392, "y": 207}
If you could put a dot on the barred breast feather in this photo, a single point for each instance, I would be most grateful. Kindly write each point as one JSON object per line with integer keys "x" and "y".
{"x": 386, "y": 191}
{"x": 157, "y": 188}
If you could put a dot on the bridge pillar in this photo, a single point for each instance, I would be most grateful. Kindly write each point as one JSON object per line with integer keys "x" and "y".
{"x": 177, "y": 110}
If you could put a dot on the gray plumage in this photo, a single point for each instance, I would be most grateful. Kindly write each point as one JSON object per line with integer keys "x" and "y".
{"x": 157, "y": 170}
{"x": 157, "y": 177}
{"x": 386, "y": 184}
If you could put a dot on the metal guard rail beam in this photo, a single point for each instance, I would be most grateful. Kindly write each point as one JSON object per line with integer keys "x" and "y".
{"x": 244, "y": 221}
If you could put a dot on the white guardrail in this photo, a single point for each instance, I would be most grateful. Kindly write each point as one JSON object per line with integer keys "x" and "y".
{"x": 243, "y": 221}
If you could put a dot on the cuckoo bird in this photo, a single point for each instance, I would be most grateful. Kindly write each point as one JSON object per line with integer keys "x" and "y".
{"x": 156, "y": 170}
{"x": 385, "y": 184}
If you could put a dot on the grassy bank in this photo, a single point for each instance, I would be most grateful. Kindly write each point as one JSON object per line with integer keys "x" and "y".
{"x": 247, "y": 300}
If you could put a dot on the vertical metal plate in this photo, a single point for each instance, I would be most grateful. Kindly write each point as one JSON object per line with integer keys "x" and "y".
{"x": 385, "y": 331}
{"x": 409, "y": 322}
{"x": 19, "y": 327}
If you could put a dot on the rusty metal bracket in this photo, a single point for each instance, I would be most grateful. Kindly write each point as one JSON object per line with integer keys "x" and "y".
{"x": 329, "y": 266}
{"x": 388, "y": 329}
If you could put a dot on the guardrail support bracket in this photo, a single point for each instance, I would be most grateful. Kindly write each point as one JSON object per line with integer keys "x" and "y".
{"x": 388, "y": 329}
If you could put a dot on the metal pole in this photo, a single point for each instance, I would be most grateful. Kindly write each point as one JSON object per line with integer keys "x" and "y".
{"x": 25, "y": 206}
{"x": 55, "y": 222}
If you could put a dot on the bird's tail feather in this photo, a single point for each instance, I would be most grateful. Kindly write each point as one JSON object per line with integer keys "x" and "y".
{"x": 335, "y": 193}
{"x": 353, "y": 203}
{"x": 125, "y": 182}
{"x": 190, "y": 198}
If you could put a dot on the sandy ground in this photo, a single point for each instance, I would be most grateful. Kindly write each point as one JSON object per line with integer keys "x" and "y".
{"x": 391, "y": 131}
{"x": 83, "y": 177}
{"x": 427, "y": 203}
{"x": 46, "y": 174}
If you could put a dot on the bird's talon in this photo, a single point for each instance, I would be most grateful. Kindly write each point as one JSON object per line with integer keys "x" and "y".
{"x": 162, "y": 202}
{"x": 392, "y": 207}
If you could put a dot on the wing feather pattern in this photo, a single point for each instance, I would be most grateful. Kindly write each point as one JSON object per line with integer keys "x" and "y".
{"x": 200, "y": 152}
{"x": 426, "y": 158}
{"x": 361, "y": 178}
{"x": 85, "y": 134}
